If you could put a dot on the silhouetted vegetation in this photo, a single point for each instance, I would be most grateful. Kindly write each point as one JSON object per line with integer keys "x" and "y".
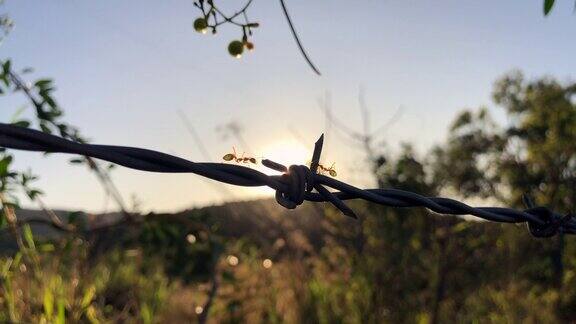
{"x": 257, "y": 262}
{"x": 254, "y": 261}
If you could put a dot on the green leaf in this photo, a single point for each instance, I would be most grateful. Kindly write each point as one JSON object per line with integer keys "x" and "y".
{"x": 6, "y": 67}
{"x": 50, "y": 101}
{"x": 548, "y": 4}
{"x": 28, "y": 236}
{"x": 43, "y": 83}
{"x": 45, "y": 128}
{"x": 76, "y": 161}
{"x": 17, "y": 259}
{"x": 4, "y": 165}
{"x": 47, "y": 247}
{"x": 88, "y": 297}
{"x": 61, "y": 318}
{"x": 146, "y": 314}
{"x": 5, "y": 267}
{"x": 22, "y": 123}
{"x": 48, "y": 303}
{"x": 32, "y": 194}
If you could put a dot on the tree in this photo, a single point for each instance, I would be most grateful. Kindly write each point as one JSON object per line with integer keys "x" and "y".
{"x": 534, "y": 152}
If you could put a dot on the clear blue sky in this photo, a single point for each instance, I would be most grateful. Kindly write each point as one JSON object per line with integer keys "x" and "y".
{"x": 124, "y": 68}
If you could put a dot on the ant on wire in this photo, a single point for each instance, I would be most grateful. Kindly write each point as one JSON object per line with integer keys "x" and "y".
{"x": 331, "y": 171}
{"x": 241, "y": 159}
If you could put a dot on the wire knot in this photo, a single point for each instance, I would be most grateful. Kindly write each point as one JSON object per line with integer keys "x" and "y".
{"x": 552, "y": 223}
{"x": 299, "y": 178}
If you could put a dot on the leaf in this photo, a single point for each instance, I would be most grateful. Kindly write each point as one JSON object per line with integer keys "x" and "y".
{"x": 91, "y": 315}
{"x": 46, "y": 247}
{"x": 28, "y": 236}
{"x": 146, "y": 314}
{"x": 43, "y": 83}
{"x": 61, "y": 318}
{"x": 88, "y": 296}
{"x": 548, "y": 4}
{"x": 48, "y": 303}
{"x": 6, "y": 67}
{"x": 17, "y": 259}
{"x": 50, "y": 101}
{"x": 32, "y": 194}
{"x": 22, "y": 123}
{"x": 45, "y": 128}
{"x": 4, "y": 164}
{"x": 76, "y": 161}
{"x": 5, "y": 267}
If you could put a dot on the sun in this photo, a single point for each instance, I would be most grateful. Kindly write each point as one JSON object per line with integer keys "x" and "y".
{"x": 286, "y": 152}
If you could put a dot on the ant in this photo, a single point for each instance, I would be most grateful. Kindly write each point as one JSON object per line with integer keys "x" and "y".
{"x": 233, "y": 156}
{"x": 331, "y": 171}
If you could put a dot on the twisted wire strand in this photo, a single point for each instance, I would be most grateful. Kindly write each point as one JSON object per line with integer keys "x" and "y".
{"x": 293, "y": 187}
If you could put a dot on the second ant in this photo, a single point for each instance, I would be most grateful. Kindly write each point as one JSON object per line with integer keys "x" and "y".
{"x": 234, "y": 157}
{"x": 331, "y": 171}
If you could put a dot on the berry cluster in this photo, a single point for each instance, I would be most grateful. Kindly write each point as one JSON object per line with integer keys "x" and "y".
{"x": 212, "y": 18}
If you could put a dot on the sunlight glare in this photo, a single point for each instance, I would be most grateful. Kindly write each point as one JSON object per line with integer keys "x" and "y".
{"x": 287, "y": 153}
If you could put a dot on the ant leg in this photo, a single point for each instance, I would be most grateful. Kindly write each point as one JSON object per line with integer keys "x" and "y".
{"x": 235, "y": 155}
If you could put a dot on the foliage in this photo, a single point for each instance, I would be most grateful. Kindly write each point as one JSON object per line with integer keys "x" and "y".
{"x": 188, "y": 250}
{"x": 48, "y": 117}
{"x": 395, "y": 265}
{"x": 59, "y": 285}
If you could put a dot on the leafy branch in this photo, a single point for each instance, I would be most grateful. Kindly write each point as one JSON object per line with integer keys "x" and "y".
{"x": 48, "y": 117}
{"x": 549, "y": 4}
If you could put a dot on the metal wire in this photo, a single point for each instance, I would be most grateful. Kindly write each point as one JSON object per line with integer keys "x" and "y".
{"x": 294, "y": 186}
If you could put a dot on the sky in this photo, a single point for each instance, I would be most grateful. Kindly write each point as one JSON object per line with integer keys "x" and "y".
{"x": 124, "y": 69}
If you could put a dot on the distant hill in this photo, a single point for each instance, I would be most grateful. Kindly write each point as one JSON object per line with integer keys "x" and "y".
{"x": 262, "y": 221}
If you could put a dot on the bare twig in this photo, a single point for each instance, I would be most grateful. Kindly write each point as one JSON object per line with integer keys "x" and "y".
{"x": 297, "y": 39}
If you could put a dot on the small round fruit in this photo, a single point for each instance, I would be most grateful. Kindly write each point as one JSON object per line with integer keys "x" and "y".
{"x": 201, "y": 25}
{"x": 235, "y": 48}
{"x": 249, "y": 46}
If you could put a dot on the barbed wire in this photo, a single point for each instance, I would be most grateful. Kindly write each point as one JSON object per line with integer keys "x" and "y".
{"x": 294, "y": 186}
